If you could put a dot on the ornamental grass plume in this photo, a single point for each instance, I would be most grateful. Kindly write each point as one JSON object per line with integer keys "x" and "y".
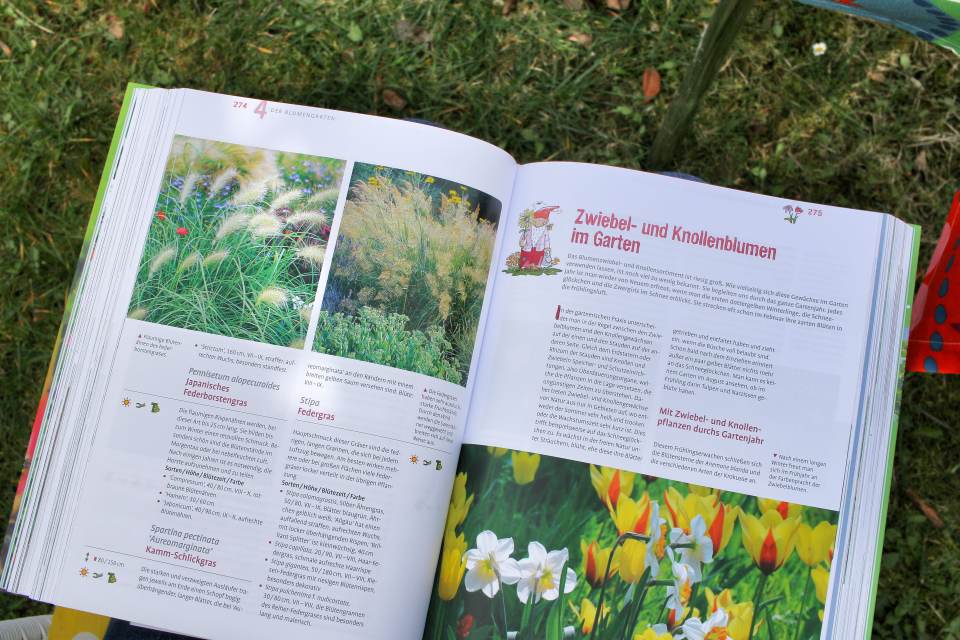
{"x": 312, "y": 253}
{"x": 188, "y": 184}
{"x": 264, "y": 225}
{"x": 232, "y": 224}
{"x": 164, "y": 256}
{"x": 222, "y": 179}
{"x": 188, "y": 262}
{"x": 284, "y": 198}
{"x": 273, "y": 296}
{"x": 215, "y": 258}
{"x": 307, "y": 219}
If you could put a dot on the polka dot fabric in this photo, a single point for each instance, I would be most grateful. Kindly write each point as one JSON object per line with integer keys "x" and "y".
{"x": 935, "y": 324}
{"x": 936, "y": 21}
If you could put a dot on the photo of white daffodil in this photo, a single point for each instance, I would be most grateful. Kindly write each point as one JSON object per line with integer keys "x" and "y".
{"x": 236, "y": 241}
{"x": 540, "y": 547}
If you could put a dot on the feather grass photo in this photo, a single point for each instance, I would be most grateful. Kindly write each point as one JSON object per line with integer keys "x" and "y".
{"x": 237, "y": 241}
{"x": 409, "y": 272}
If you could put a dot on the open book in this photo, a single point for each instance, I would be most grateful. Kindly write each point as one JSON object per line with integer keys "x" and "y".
{"x": 332, "y": 375}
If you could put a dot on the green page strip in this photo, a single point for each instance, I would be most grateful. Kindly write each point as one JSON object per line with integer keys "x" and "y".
{"x": 36, "y": 434}
{"x": 891, "y": 445}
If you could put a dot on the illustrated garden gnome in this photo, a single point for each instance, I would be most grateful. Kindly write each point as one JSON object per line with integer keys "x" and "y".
{"x": 535, "y": 239}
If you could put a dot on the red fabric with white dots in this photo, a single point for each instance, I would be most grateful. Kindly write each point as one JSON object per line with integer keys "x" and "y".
{"x": 935, "y": 325}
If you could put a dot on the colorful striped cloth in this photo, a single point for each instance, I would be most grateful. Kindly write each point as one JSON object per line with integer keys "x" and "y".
{"x": 936, "y": 21}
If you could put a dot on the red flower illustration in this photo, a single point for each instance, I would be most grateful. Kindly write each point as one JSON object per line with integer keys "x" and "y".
{"x": 464, "y": 626}
{"x": 161, "y": 215}
{"x": 182, "y": 231}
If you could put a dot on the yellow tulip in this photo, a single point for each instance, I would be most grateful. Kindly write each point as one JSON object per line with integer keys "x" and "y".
{"x": 631, "y": 515}
{"x": 595, "y": 559}
{"x": 524, "y": 466}
{"x": 497, "y": 452}
{"x": 699, "y": 490}
{"x": 720, "y": 517}
{"x": 813, "y": 544}
{"x": 632, "y": 561}
{"x": 739, "y": 614}
{"x": 453, "y": 564}
{"x": 820, "y": 577}
{"x": 610, "y": 483}
{"x": 587, "y": 614}
{"x": 650, "y": 634}
{"x": 769, "y": 539}
{"x": 785, "y": 509}
{"x": 459, "y": 503}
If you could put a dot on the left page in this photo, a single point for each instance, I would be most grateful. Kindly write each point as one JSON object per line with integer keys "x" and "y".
{"x": 283, "y": 363}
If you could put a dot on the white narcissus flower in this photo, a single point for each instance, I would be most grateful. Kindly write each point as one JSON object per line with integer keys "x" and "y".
{"x": 490, "y": 564}
{"x": 540, "y": 574}
{"x": 653, "y": 562}
{"x": 694, "y": 629}
{"x": 701, "y": 551}
{"x": 678, "y": 595}
{"x": 819, "y": 48}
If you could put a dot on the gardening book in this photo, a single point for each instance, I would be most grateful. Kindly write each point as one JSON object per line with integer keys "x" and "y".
{"x": 331, "y": 375}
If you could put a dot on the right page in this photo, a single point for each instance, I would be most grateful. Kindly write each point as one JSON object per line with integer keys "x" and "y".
{"x": 674, "y": 361}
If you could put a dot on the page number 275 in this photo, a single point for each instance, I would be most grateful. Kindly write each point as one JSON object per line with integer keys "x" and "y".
{"x": 260, "y": 109}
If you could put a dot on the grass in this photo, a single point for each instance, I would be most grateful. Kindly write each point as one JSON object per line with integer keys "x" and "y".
{"x": 237, "y": 241}
{"x": 417, "y": 248}
{"x": 873, "y": 124}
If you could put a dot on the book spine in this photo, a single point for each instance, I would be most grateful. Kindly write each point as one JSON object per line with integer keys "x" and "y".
{"x": 892, "y": 444}
{"x": 35, "y": 434}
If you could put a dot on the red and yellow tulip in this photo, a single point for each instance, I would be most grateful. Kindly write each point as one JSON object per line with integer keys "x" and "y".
{"x": 610, "y": 483}
{"x": 595, "y": 559}
{"x": 769, "y": 539}
{"x": 785, "y": 509}
{"x": 720, "y": 517}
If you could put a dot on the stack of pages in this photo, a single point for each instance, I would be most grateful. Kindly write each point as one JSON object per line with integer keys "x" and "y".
{"x": 332, "y": 375}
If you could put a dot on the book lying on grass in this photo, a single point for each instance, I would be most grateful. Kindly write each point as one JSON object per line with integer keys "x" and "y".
{"x": 332, "y": 375}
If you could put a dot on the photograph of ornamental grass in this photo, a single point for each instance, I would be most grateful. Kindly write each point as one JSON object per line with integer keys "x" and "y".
{"x": 237, "y": 241}
{"x": 408, "y": 273}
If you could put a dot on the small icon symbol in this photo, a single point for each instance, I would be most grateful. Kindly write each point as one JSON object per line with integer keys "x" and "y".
{"x": 97, "y": 575}
{"x": 427, "y": 463}
{"x": 414, "y": 458}
{"x": 84, "y": 572}
{"x": 439, "y": 466}
{"x": 141, "y": 405}
{"x": 111, "y": 577}
{"x": 154, "y": 407}
{"x": 125, "y": 402}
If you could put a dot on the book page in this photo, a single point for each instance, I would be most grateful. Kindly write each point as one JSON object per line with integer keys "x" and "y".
{"x": 290, "y": 362}
{"x": 672, "y": 360}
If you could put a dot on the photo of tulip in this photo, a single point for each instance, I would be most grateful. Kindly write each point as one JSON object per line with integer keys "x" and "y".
{"x": 541, "y": 547}
{"x": 409, "y": 272}
{"x": 236, "y": 241}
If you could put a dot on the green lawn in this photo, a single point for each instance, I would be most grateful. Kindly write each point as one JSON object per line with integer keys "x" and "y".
{"x": 874, "y": 123}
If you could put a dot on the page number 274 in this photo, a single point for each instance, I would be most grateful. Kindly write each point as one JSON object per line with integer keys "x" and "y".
{"x": 260, "y": 109}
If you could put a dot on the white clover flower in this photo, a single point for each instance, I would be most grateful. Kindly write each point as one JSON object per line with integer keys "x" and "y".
{"x": 819, "y": 48}
{"x": 490, "y": 563}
